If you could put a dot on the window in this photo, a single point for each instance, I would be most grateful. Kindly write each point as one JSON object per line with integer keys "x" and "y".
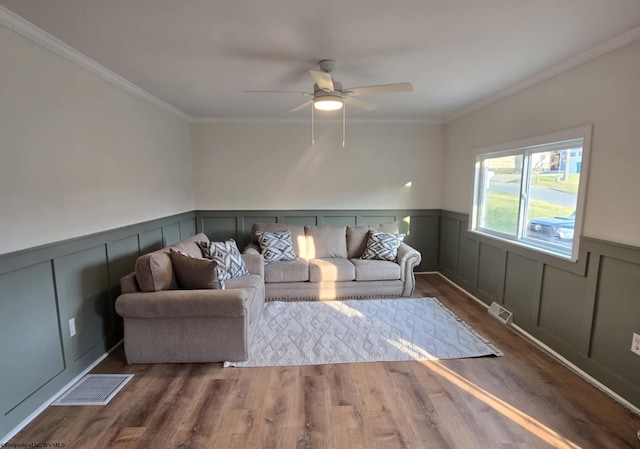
{"x": 531, "y": 192}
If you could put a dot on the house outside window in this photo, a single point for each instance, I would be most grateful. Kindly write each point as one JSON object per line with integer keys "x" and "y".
{"x": 532, "y": 192}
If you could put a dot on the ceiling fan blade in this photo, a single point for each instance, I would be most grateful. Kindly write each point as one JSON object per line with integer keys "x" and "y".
{"x": 323, "y": 80}
{"x": 301, "y": 106}
{"x": 381, "y": 89}
{"x": 309, "y": 94}
{"x": 366, "y": 105}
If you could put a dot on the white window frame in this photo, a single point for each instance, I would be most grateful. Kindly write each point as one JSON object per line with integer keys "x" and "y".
{"x": 528, "y": 146}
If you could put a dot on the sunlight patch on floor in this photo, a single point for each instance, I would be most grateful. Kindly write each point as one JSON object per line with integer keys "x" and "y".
{"x": 411, "y": 350}
{"x": 530, "y": 424}
{"x": 344, "y": 309}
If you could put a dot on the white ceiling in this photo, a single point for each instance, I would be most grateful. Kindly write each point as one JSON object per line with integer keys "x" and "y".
{"x": 200, "y": 55}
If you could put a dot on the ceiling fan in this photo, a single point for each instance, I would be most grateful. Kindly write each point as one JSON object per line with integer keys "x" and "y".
{"x": 329, "y": 95}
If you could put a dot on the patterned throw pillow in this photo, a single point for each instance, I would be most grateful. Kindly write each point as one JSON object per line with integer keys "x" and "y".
{"x": 276, "y": 246}
{"x": 382, "y": 246}
{"x": 227, "y": 254}
{"x": 194, "y": 273}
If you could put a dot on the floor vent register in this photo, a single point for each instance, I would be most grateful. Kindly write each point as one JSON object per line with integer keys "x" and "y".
{"x": 94, "y": 389}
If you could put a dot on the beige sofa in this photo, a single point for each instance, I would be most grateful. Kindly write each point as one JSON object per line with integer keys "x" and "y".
{"x": 165, "y": 324}
{"x": 329, "y": 264}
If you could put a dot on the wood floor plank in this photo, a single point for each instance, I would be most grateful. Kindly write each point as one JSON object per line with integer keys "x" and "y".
{"x": 125, "y": 438}
{"x": 315, "y": 407}
{"x": 525, "y": 399}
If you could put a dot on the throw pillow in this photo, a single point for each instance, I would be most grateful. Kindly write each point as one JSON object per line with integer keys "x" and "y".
{"x": 276, "y": 246}
{"x": 227, "y": 254}
{"x": 382, "y": 246}
{"x": 194, "y": 273}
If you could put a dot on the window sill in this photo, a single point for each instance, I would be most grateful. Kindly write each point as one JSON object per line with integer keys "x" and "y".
{"x": 529, "y": 245}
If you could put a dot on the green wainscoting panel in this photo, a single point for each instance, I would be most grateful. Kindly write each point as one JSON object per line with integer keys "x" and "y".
{"x": 42, "y": 287}
{"x": 615, "y": 323}
{"x": 122, "y": 255}
{"x": 586, "y": 311}
{"x": 491, "y": 272}
{"x": 339, "y": 221}
{"x": 31, "y": 349}
{"x": 422, "y": 234}
{"x": 469, "y": 249}
{"x": 520, "y": 287}
{"x": 82, "y": 281}
{"x": 422, "y": 226}
{"x": 151, "y": 240}
{"x": 187, "y": 227}
{"x": 220, "y": 228}
{"x": 308, "y": 220}
{"x": 375, "y": 219}
{"x": 171, "y": 234}
{"x": 449, "y": 242}
{"x": 561, "y": 304}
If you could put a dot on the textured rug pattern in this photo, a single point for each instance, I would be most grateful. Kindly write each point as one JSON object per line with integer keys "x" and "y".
{"x": 314, "y": 333}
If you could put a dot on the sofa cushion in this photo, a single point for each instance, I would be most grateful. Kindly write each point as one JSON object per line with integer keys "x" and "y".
{"x": 154, "y": 272}
{"x": 297, "y": 234}
{"x": 357, "y": 236}
{"x": 382, "y": 246}
{"x": 195, "y": 273}
{"x": 227, "y": 254}
{"x": 376, "y": 270}
{"x": 276, "y": 246}
{"x": 249, "y": 281}
{"x": 289, "y": 271}
{"x": 331, "y": 269}
{"x": 191, "y": 246}
{"x": 326, "y": 241}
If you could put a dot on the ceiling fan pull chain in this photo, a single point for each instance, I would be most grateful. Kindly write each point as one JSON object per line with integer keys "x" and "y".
{"x": 313, "y": 140}
{"x": 344, "y": 125}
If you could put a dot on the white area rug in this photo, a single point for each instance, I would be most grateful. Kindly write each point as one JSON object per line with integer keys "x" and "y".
{"x": 315, "y": 333}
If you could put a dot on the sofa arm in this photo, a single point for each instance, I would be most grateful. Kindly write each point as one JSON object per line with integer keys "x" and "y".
{"x": 183, "y": 303}
{"x": 252, "y": 248}
{"x": 408, "y": 258}
{"x": 129, "y": 283}
{"x": 254, "y": 263}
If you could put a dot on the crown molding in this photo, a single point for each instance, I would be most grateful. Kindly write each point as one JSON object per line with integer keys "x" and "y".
{"x": 601, "y": 49}
{"x": 30, "y": 31}
{"x": 307, "y": 121}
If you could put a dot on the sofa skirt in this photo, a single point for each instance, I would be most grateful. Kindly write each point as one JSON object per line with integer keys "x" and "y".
{"x": 287, "y": 291}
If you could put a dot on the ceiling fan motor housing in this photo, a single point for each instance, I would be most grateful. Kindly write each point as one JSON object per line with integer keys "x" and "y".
{"x": 337, "y": 91}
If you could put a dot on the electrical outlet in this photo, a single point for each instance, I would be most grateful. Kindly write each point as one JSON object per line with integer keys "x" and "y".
{"x": 635, "y": 344}
{"x": 72, "y": 327}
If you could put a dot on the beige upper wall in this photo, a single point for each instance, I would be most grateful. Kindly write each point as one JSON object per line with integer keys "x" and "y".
{"x": 274, "y": 166}
{"x": 78, "y": 155}
{"x": 604, "y": 92}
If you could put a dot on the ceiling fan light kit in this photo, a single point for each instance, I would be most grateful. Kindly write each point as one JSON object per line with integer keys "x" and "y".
{"x": 328, "y": 103}
{"x": 328, "y": 95}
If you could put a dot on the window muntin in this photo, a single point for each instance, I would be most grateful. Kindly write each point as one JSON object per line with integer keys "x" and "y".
{"x": 533, "y": 194}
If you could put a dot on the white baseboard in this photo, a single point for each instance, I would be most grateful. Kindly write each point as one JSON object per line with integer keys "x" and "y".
{"x": 576, "y": 370}
{"x": 34, "y": 415}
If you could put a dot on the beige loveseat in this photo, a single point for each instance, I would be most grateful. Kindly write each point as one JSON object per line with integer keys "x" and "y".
{"x": 166, "y": 324}
{"x": 329, "y": 264}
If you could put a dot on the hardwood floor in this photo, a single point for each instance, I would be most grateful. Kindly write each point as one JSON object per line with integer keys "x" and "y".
{"x": 522, "y": 400}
